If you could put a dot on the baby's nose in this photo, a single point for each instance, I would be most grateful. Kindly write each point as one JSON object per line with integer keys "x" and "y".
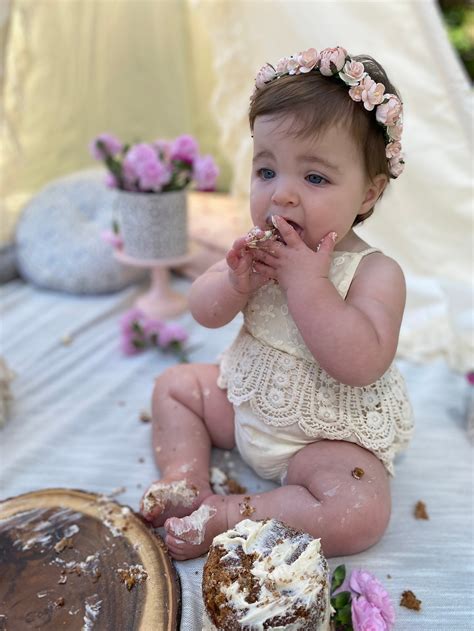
{"x": 285, "y": 195}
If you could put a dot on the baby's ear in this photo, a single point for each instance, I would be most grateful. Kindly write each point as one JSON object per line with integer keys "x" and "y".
{"x": 375, "y": 188}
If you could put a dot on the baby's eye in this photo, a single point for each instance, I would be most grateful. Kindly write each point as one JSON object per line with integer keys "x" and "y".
{"x": 266, "y": 174}
{"x": 315, "y": 179}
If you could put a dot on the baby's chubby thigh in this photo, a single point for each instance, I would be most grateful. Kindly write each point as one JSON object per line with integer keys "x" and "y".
{"x": 353, "y": 487}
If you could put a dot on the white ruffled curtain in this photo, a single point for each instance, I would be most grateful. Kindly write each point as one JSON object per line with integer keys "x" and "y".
{"x": 425, "y": 220}
{"x": 144, "y": 69}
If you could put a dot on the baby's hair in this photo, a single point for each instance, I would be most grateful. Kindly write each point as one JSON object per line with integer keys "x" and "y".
{"x": 319, "y": 102}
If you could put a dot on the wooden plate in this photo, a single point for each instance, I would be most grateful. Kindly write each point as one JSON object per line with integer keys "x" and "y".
{"x": 75, "y": 560}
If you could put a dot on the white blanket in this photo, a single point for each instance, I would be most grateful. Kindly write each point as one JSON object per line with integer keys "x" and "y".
{"x": 75, "y": 423}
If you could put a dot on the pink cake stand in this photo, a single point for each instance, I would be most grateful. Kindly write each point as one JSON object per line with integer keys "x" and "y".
{"x": 160, "y": 301}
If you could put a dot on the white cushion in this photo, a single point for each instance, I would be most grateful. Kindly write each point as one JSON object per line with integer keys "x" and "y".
{"x": 58, "y": 237}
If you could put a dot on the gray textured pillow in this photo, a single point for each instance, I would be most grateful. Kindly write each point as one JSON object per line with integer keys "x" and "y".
{"x": 58, "y": 242}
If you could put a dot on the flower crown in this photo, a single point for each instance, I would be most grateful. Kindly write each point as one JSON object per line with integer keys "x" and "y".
{"x": 336, "y": 62}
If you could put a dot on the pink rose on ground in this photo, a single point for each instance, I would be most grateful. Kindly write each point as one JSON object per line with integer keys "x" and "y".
{"x": 129, "y": 317}
{"x": 112, "y": 146}
{"x": 332, "y": 60}
{"x": 265, "y": 74}
{"x": 205, "y": 172}
{"x": 111, "y": 181}
{"x": 170, "y": 333}
{"x": 308, "y": 59}
{"x": 387, "y": 113}
{"x": 353, "y": 72}
{"x": 184, "y": 148}
{"x": 127, "y": 346}
{"x": 367, "y": 587}
{"x": 366, "y": 617}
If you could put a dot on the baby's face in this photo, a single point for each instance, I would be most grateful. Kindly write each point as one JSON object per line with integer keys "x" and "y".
{"x": 317, "y": 184}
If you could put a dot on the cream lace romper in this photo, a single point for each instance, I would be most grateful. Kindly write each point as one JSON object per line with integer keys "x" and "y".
{"x": 284, "y": 400}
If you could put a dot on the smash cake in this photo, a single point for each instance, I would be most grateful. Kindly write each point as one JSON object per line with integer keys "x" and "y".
{"x": 265, "y": 575}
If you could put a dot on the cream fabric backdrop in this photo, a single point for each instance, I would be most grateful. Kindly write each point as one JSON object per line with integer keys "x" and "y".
{"x": 144, "y": 69}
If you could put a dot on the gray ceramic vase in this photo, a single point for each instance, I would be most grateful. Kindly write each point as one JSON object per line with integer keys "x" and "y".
{"x": 153, "y": 225}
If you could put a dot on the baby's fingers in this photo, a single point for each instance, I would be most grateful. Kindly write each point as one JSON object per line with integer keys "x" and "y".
{"x": 327, "y": 243}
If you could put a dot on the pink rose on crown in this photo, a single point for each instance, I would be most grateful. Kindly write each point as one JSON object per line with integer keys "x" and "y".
{"x": 353, "y": 72}
{"x": 332, "y": 60}
{"x": 396, "y": 166}
{"x": 395, "y": 131}
{"x": 393, "y": 149}
{"x": 264, "y": 75}
{"x": 308, "y": 59}
{"x": 388, "y": 112}
{"x": 372, "y": 93}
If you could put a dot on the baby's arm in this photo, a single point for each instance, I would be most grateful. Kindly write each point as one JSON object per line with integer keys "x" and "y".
{"x": 224, "y": 289}
{"x": 355, "y": 339}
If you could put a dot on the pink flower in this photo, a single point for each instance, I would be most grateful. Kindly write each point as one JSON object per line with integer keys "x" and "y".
{"x": 205, "y": 172}
{"x": 366, "y": 617}
{"x": 396, "y": 166}
{"x": 364, "y": 584}
{"x": 282, "y": 65}
{"x": 332, "y": 60}
{"x": 111, "y": 181}
{"x": 395, "y": 131}
{"x": 265, "y": 74}
{"x": 393, "y": 149}
{"x": 308, "y": 59}
{"x": 470, "y": 377}
{"x": 353, "y": 72}
{"x": 112, "y": 238}
{"x": 153, "y": 175}
{"x": 127, "y": 346}
{"x": 292, "y": 65}
{"x": 170, "y": 333}
{"x": 112, "y": 146}
{"x": 142, "y": 165}
{"x": 131, "y": 316}
{"x": 372, "y": 93}
{"x": 184, "y": 148}
{"x": 152, "y": 328}
{"x": 164, "y": 149}
{"x": 388, "y": 112}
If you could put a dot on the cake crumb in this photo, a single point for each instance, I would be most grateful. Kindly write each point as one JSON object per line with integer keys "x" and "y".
{"x": 65, "y": 542}
{"x": 357, "y": 473}
{"x": 66, "y": 340}
{"x": 133, "y": 575}
{"x": 59, "y": 602}
{"x": 245, "y": 507}
{"x": 389, "y": 576}
{"x": 420, "y": 510}
{"x": 141, "y": 459}
{"x": 145, "y": 416}
{"x": 410, "y": 601}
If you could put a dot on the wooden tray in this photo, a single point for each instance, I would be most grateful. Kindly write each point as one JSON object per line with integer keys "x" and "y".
{"x": 75, "y": 560}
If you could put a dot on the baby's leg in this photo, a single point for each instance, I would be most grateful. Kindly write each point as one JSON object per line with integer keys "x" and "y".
{"x": 321, "y": 496}
{"x": 190, "y": 413}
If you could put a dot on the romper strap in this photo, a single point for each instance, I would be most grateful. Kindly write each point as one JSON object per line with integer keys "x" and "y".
{"x": 349, "y": 272}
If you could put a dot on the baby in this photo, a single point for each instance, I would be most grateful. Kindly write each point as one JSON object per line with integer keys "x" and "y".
{"x": 307, "y": 392}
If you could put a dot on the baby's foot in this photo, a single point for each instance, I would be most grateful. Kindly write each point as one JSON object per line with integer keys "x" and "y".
{"x": 172, "y": 497}
{"x": 192, "y": 536}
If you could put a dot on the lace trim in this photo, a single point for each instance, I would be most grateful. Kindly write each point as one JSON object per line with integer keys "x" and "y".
{"x": 283, "y": 389}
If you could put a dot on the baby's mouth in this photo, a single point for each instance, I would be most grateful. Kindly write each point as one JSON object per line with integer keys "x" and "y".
{"x": 293, "y": 224}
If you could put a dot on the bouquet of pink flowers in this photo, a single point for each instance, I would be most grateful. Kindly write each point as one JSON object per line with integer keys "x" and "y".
{"x": 155, "y": 167}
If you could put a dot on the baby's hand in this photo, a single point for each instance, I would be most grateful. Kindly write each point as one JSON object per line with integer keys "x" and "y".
{"x": 293, "y": 263}
{"x": 243, "y": 275}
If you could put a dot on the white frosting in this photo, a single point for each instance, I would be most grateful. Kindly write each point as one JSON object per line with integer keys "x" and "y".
{"x": 285, "y": 581}
{"x": 193, "y": 527}
{"x": 177, "y": 493}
